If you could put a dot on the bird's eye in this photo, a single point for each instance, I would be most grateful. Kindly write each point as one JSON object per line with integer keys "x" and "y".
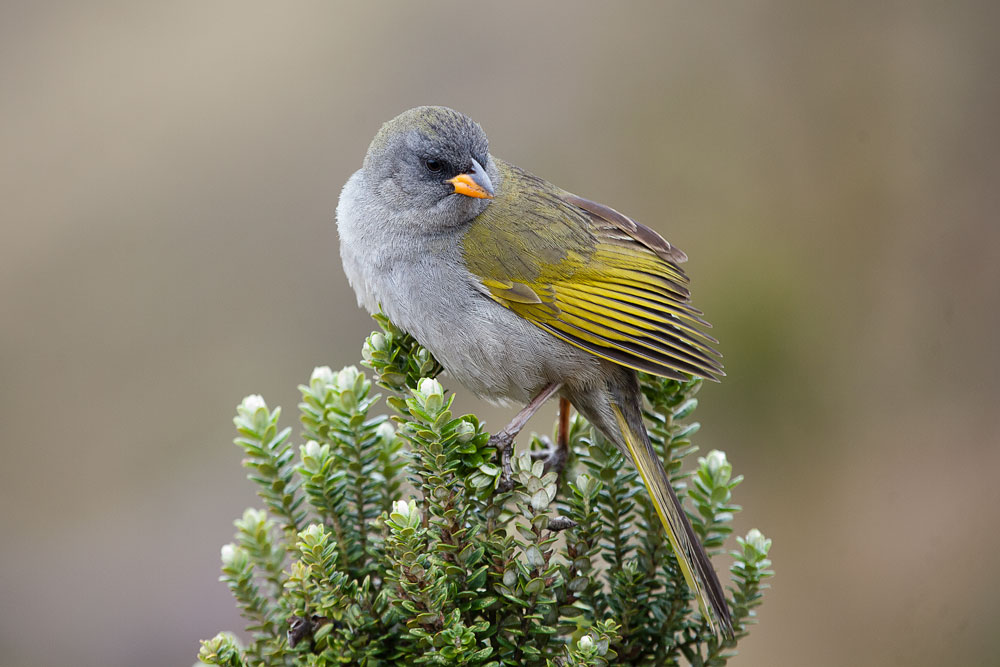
{"x": 433, "y": 166}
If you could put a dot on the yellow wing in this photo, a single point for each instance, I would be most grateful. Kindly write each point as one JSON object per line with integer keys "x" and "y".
{"x": 591, "y": 277}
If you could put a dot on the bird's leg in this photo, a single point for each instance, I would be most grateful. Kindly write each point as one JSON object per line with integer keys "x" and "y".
{"x": 504, "y": 438}
{"x": 555, "y": 455}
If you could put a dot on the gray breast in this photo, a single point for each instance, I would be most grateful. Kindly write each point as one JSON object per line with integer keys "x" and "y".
{"x": 420, "y": 281}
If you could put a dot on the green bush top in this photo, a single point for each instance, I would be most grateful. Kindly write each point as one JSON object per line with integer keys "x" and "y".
{"x": 387, "y": 542}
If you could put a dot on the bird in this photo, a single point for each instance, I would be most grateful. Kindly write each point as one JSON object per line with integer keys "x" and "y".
{"x": 523, "y": 291}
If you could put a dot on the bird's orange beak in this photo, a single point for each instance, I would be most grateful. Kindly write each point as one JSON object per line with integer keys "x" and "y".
{"x": 465, "y": 185}
{"x": 475, "y": 183}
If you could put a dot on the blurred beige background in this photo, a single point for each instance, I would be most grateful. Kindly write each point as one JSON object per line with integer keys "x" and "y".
{"x": 168, "y": 177}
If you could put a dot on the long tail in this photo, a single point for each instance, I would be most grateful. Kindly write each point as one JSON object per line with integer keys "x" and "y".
{"x": 697, "y": 568}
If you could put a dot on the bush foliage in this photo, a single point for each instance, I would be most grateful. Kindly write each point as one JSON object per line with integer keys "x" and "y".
{"x": 387, "y": 542}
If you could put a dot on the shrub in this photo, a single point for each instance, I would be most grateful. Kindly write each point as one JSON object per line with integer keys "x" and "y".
{"x": 386, "y": 544}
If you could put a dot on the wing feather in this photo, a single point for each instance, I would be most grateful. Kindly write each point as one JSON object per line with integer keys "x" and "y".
{"x": 636, "y": 328}
{"x": 677, "y": 314}
{"x": 596, "y": 279}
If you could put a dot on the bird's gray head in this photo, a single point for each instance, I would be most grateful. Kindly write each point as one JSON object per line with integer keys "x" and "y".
{"x": 431, "y": 166}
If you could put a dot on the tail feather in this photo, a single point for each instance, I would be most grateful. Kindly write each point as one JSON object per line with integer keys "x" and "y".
{"x": 695, "y": 565}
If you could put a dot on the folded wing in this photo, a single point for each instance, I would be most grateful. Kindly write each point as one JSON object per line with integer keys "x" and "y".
{"x": 600, "y": 281}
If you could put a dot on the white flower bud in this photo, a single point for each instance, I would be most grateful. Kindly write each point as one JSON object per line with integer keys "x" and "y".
{"x": 314, "y": 533}
{"x": 321, "y": 375}
{"x": 430, "y": 394}
{"x": 465, "y": 432}
{"x": 429, "y": 387}
{"x": 254, "y": 516}
{"x": 376, "y": 341}
{"x": 716, "y": 460}
{"x": 400, "y": 507}
{"x": 756, "y": 539}
{"x": 385, "y": 431}
{"x": 718, "y": 466}
{"x": 346, "y": 378}
{"x": 252, "y": 403}
{"x": 312, "y": 450}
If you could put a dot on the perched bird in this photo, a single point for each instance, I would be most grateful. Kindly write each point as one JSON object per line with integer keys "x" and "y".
{"x": 522, "y": 291}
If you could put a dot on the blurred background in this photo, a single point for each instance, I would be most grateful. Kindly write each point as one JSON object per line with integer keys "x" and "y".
{"x": 168, "y": 179}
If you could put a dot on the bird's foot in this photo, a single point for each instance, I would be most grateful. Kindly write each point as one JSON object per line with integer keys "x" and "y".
{"x": 555, "y": 454}
{"x": 504, "y": 443}
{"x": 503, "y": 440}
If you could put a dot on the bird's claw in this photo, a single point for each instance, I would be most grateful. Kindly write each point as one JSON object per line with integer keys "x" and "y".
{"x": 554, "y": 455}
{"x": 504, "y": 443}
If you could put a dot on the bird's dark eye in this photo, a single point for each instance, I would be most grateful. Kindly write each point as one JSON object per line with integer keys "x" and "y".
{"x": 433, "y": 165}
